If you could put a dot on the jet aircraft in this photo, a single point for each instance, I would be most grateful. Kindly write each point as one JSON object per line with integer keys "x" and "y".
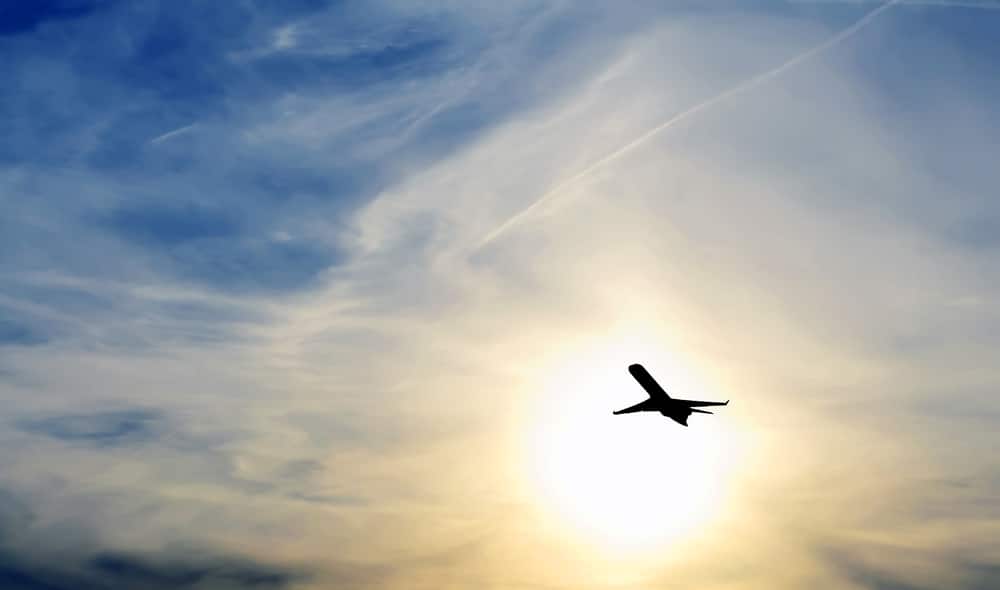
{"x": 659, "y": 401}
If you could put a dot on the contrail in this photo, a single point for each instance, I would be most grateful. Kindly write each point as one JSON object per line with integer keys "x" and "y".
{"x": 984, "y": 5}
{"x": 173, "y": 133}
{"x": 746, "y": 84}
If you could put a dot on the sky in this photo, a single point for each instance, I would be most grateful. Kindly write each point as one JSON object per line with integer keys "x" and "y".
{"x": 310, "y": 295}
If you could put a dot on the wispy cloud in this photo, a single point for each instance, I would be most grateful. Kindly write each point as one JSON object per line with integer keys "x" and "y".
{"x": 24, "y": 566}
{"x": 741, "y": 87}
{"x": 983, "y": 4}
{"x": 174, "y": 133}
{"x": 247, "y": 304}
{"x": 101, "y": 429}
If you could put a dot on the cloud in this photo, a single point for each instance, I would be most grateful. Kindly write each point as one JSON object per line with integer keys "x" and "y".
{"x": 174, "y": 133}
{"x": 288, "y": 143}
{"x": 171, "y": 226}
{"x": 311, "y": 364}
{"x": 16, "y": 333}
{"x": 981, "y": 4}
{"x": 34, "y": 556}
{"x": 24, "y": 18}
{"x": 745, "y": 85}
{"x": 967, "y": 575}
{"x": 127, "y": 571}
{"x": 104, "y": 429}
{"x": 825, "y": 223}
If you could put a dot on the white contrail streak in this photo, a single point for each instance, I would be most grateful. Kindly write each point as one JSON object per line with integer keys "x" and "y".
{"x": 174, "y": 133}
{"x": 746, "y": 84}
{"x": 984, "y": 5}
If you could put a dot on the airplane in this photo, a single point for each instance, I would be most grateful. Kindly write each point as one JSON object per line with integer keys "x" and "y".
{"x": 676, "y": 409}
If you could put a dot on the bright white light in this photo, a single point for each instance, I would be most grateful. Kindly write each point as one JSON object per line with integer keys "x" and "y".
{"x": 631, "y": 482}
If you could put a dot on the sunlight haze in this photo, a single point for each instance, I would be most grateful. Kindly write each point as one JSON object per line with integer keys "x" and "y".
{"x": 316, "y": 295}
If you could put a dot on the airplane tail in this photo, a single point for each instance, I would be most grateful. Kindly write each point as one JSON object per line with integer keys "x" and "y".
{"x": 701, "y": 411}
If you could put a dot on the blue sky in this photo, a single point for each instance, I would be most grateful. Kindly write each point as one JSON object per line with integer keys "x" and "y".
{"x": 280, "y": 286}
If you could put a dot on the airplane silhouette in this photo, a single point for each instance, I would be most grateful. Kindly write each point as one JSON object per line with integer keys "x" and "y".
{"x": 676, "y": 409}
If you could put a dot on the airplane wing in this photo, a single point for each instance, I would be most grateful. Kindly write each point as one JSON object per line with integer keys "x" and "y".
{"x": 697, "y": 404}
{"x": 648, "y": 383}
{"x": 642, "y": 406}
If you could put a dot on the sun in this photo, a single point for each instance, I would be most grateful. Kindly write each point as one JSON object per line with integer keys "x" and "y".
{"x": 626, "y": 483}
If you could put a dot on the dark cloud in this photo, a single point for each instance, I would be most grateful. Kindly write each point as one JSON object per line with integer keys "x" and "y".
{"x": 110, "y": 312}
{"x": 27, "y": 564}
{"x": 129, "y": 571}
{"x": 963, "y": 574}
{"x": 982, "y": 576}
{"x": 20, "y": 17}
{"x": 103, "y": 429}
{"x": 232, "y": 203}
{"x": 981, "y": 231}
{"x": 68, "y": 299}
{"x": 14, "y": 515}
{"x": 125, "y": 571}
{"x": 252, "y": 264}
{"x": 211, "y": 246}
{"x": 867, "y": 577}
{"x": 17, "y": 333}
{"x": 159, "y": 225}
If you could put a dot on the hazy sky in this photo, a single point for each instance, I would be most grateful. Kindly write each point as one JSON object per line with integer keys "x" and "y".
{"x": 341, "y": 295}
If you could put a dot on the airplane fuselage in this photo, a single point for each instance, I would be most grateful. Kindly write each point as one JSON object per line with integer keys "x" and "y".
{"x": 677, "y": 410}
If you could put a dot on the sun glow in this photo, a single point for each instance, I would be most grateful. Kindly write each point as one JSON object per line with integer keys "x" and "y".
{"x": 633, "y": 482}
